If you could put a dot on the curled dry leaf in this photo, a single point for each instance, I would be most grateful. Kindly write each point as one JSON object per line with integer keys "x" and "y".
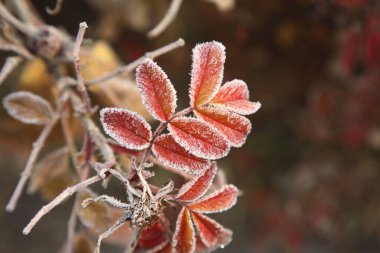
{"x": 234, "y": 127}
{"x": 234, "y": 96}
{"x": 207, "y": 72}
{"x": 157, "y": 92}
{"x": 198, "y": 138}
{"x": 52, "y": 175}
{"x": 96, "y": 216}
{"x": 171, "y": 154}
{"x": 128, "y": 128}
{"x": 28, "y": 108}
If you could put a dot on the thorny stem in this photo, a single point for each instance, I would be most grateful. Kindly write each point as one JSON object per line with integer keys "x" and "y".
{"x": 167, "y": 20}
{"x": 10, "y": 64}
{"x": 131, "y": 66}
{"x": 81, "y": 87}
{"x": 58, "y": 200}
{"x": 8, "y": 17}
{"x": 37, "y": 146}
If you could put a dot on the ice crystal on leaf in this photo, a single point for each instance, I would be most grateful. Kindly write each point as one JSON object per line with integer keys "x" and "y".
{"x": 158, "y": 93}
{"x": 128, "y": 128}
{"x": 210, "y": 233}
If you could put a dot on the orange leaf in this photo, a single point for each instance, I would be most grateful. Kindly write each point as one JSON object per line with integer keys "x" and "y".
{"x": 207, "y": 72}
{"x": 184, "y": 234}
{"x": 232, "y": 126}
{"x": 171, "y": 154}
{"x": 198, "y": 138}
{"x": 157, "y": 91}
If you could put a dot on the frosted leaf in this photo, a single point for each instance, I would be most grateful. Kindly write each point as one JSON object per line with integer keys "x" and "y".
{"x": 154, "y": 236}
{"x": 234, "y": 127}
{"x": 171, "y": 154}
{"x": 210, "y": 232}
{"x": 198, "y": 186}
{"x": 207, "y": 72}
{"x": 198, "y": 138}
{"x": 184, "y": 234}
{"x": 158, "y": 93}
{"x": 97, "y": 215}
{"x": 82, "y": 244}
{"x": 128, "y": 128}
{"x": 218, "y": 201}
{"x": 28, "y": 108}
{"x": 234, "y": 96}
{"x": 164, "y": 247}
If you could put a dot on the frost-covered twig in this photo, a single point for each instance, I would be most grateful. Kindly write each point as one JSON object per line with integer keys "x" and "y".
{"x": 16, "y": 49}
{"x": 37, "y": 146}
{"x": 58, "y": 200}
{"x": 167, "y": 20}
{"x": 81, "y": 87}
{"x": 10, "y": 64}
{"x": 133, "y": 65}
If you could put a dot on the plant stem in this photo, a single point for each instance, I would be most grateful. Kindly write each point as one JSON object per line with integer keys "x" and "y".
{"x": 58, "y": 200}
{"x": 8, "y": 17}
{"x": 131, "y": 66}
{"x": 37, "y": 146}
{"x": 167, "y": 20}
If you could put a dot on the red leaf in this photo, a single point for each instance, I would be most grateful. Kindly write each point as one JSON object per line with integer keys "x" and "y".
{"x": 218, "y": 201}
{"x": 234, "y": 96}
{"x": 210, "y": 232}
{"x": 232, "y": 126}
{"x": 153, "y": 236}
{"x": 158, "y": 93}
{"x": 198, "y": 186}
{"x": 184, "y": 234}
{"x": 198, "y": 138}
{"x": 128, "y": 128}
{"x": 207, "y": 72}
{"x": 171, "y": 154}
{"x": 164, "y": 247}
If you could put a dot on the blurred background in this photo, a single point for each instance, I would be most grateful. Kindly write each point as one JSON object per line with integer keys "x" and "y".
{"x": 310, "y": 169}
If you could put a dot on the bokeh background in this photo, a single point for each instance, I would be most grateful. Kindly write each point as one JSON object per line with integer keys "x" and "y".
{"x": 310, "y": 169}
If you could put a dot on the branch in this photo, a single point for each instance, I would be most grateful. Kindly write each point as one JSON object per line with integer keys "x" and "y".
{"x": 8, "y": 17}
{"x": 131, "y": 66}
{"x": 16, "y": 49}
{"x": 58, "y": 200}
{"x": 57, "y": 8}
{"x": 81, "y": 88}
{"x": 10, "y": 64}
{"x": 167, "y": 20}
{"x": 37, "y": 146}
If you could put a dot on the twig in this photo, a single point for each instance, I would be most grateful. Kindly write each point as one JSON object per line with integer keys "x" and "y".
{"x": 167, "y": 20}
{"x": 10, "y": 64}
{"x": 131, "y": 66}
{"x": 37, "y": 146}
{"x": 58, "y": 200}
{"x": 71, "y": 224}
{"x": 16, "y": 49}
{"x": 81, "y": 87}
{"x": 27, "y": 12}
{"x": 8, "y": 17}
{"x": 57, "y": 8}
